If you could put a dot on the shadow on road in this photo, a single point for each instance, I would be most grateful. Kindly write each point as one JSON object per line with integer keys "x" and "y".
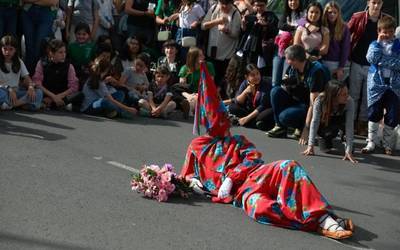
{"x": 336, "y": 208}
{"x": 18, "y": 241}
{"x": 360, "y": 235}
{"x": 30, "y": 117}
{"x": 7, "y": 128}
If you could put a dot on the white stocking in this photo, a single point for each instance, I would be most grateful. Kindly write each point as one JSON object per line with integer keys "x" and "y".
{"x": 225, "y": 189}
{"x": 328, "y": 223}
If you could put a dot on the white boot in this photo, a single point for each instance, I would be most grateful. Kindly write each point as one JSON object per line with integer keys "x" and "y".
{"x": 387, "y": 140}
{"x": 372, "y": 137}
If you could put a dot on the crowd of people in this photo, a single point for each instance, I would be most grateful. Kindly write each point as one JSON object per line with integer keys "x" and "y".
{"x": 280, "y": 73}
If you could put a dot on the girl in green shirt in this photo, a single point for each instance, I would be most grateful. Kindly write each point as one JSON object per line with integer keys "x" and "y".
{"x": 189, "y": 75}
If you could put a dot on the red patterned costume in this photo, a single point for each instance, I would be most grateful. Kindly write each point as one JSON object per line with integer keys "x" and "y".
{"x": 279, "y": 193}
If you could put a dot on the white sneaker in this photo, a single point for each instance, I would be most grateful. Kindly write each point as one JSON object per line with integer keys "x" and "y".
{"x": 68, "y": 107}
{"x": 5, "y": 106}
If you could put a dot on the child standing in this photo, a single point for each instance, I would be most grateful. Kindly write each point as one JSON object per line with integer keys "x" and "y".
{"x": 81, "y": 52}
{"x": 98, "y": 99}
{"x": 14, "y": 93}
{"x": 56, "y": 77}
{"x": 159, "y": 101}
{"x": 383, "y": 85}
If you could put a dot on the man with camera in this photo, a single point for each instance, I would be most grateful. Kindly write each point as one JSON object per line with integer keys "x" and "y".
{"x": 292, "y": 101}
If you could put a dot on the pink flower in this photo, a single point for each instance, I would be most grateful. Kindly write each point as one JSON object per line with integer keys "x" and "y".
{"x": 155, "y": 168}
{"x": 148, "y": 193}
{"x": 134, "y": 185}
{"x": 166, "y": 177}
{"x": 162, "y": 195}
{"x": 168, "y": 167}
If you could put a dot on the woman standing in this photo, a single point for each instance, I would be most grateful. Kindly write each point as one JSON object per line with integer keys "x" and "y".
{"x": 313, "y": 36}
{"x": 141, "y": 19}
{"x": 339, "y": 44}
{"x": 287, "y": 27}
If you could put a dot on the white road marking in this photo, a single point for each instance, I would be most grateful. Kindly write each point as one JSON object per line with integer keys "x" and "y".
{"x": 99, "y": 158}
{"x": 26, "y": 134}
{"x": 123, "y": 166}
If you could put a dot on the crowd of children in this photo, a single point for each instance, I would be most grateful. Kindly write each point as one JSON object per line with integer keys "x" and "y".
{"x": 282, "y": 75}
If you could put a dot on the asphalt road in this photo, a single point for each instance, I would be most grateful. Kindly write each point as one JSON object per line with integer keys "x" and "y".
{"x": 64, "y": 184}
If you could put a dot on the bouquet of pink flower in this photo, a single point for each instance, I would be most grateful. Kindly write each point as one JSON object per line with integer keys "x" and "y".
{"x": 159, "y": 182}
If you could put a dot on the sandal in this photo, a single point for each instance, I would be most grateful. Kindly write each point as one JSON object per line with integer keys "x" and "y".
{"x": 347, "y": 224}
{"x": 337, "y": 234}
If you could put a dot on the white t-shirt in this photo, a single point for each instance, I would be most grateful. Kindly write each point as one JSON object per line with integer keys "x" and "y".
{"x": 12, "y": 79}
{"x": 188, "y": 16}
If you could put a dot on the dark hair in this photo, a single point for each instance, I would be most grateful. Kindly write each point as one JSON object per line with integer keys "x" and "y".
{"x": 163, "y": 70}
{"x": 227, "y": 1}
{"x": 103, "y": 39}
{"x": 287, "y": 11}
{"x": 260, "y": 1}
{"x": 82, "y": 27}
{"x": 296, "y": 52}
{"x": 126, "y": 54}
{"x": 249, "y": 68}
{"x": 321, "y": 10}
{"x": 170, "y": 43}
{"x": 55, "y": 45}
{"x": 104, "y": 47}
{"x": 144, "y": 57}
{"x": 99, "y": 66}
{"x": 16, "y": 64}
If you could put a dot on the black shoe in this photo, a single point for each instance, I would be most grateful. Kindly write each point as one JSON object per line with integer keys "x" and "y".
{"x": 261, "y": 125}
{"x": 325, "y": 145}
{"x": 277, "y": 132}
{"x": 185, "y": 106}
{"x": 295, "y": 135}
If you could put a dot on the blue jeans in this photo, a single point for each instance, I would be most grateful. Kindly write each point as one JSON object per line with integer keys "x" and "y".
{"x": 3, "y": 95}
{"x": 288, "y": 112}
{"x": 22, "y": 95}
{"x": 279, "y": 66}
{"x": 8, "y": 21}
{"x": 36, "y": 25}
{"x": 103, "y": 106}
{"x": 391, "y": 103}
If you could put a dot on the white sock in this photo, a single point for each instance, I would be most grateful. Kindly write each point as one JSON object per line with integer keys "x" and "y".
{"x": 328, "y": 223}
{"x": 225, "y": 189}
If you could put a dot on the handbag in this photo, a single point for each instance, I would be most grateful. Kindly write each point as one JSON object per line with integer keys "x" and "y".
{"x": 188, "y": 41}
{"x": 163, "y": 35}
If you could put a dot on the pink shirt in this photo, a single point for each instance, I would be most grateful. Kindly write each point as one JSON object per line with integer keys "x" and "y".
{"x": 73, "y": 83}
{"x": 311, "y": 40}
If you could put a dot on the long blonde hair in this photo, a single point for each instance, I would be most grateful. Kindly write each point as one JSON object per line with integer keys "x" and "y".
{"x": 337, "y": 32}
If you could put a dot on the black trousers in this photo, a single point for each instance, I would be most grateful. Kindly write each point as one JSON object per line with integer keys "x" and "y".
{"x": 266, "y": 116}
